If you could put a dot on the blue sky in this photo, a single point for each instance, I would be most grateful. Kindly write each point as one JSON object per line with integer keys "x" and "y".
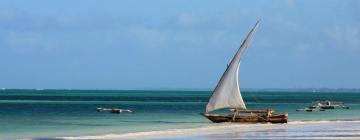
{"x": 87, "y": 44}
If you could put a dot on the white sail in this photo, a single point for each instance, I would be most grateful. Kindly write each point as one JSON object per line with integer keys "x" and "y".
{"x": 227, "y": 92}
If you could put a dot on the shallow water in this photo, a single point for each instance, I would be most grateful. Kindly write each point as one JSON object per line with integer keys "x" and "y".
{"x": 57, "y": 113}
{"x": 293, "y": 130}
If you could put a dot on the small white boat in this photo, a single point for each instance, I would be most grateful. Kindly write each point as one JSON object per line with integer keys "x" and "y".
{"x": 113, "y": 110}
{"x": 331, "y": 104}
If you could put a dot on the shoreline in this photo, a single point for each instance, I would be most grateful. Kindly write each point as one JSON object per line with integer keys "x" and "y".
{"x": 341, "y": 129}
{"x": 71, "y": 115}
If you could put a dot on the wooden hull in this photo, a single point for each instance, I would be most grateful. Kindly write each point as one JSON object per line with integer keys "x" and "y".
{"x": 252, "y": 118}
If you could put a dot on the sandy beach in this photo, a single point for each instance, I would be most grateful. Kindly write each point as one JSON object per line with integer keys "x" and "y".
{"x": 292, "y": 130}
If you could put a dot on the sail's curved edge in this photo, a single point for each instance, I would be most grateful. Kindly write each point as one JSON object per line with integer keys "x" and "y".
{"x": 227, "y": 92}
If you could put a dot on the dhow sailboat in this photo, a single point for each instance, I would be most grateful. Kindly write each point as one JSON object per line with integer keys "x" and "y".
{"x": 227, "y": 95}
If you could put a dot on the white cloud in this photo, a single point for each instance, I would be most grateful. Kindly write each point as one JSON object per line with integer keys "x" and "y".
{"x": 66, "y": 20}
{"x": 27, "y": 41}
{"x": 345, "y": 36}
{"x": 148, "y": 37}
{"x": 7, "y": 14}
{"x": 290, "y": 3}
{"x": 185, "y": 19}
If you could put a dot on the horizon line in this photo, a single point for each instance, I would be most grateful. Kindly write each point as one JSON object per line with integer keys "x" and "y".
{"x": 195, "y": 89}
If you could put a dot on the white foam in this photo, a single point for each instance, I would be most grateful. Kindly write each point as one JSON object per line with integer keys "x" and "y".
{"x": 172, "y": 132}
{"x": 233, "y": 128}
{"x": 323, "y": 121}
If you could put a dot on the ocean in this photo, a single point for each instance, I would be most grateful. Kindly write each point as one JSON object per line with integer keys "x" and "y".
{"x": 27, "y": 113}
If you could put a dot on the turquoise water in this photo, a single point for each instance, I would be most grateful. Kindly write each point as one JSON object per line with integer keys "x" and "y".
{"x": 56, "y": 113}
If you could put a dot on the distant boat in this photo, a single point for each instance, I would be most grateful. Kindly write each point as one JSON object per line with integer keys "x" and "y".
{"x": 322, "y": 105}
{"x": 311, "y": 109}
{"x": 113, "y": 110}
{"x": 330, "y": 104}
{"x": 227, "y": 95}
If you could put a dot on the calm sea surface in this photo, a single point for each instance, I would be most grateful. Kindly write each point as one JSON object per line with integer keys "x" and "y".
{"x": 56, "y": 113}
